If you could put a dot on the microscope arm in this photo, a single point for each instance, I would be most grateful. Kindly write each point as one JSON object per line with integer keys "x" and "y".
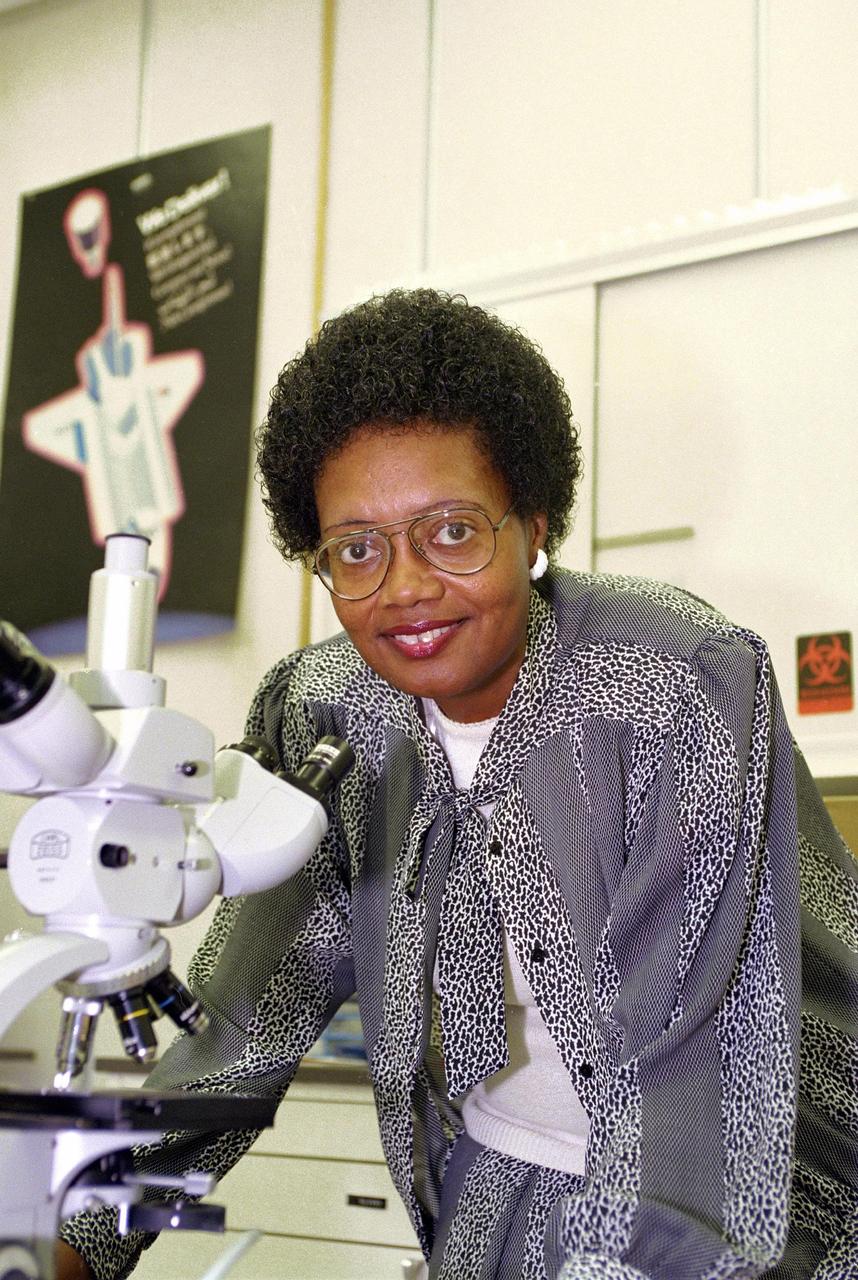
{"x": 137, "y": 824}
{"x": 33, "y": 964}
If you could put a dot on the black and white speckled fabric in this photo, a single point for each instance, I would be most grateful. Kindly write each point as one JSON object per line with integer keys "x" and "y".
{"x": 495, "y": 1218}
{"x": 645, "y": 860}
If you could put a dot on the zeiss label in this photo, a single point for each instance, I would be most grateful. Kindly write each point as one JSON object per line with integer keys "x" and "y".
{"x": 50, "y": 844}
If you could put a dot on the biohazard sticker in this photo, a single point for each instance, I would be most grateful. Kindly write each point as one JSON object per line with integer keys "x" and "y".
{"x": 824, "y": 673}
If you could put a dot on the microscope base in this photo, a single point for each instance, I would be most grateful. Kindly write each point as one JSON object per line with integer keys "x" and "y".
{"x": 48, "y": 1140}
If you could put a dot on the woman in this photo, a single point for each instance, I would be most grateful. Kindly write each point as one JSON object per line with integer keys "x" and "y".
{"x": 562, "y": 877}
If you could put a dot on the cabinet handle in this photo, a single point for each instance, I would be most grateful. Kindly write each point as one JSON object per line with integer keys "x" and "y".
{"x": 367, "y": 1202}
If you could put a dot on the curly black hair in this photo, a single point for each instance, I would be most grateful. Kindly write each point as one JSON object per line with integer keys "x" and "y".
{"x": 409, "y": 356}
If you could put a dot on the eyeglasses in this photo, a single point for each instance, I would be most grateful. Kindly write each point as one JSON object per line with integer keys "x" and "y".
{"x": 460, "y": 540}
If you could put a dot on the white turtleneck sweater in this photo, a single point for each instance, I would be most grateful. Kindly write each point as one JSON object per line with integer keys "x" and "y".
{"x": 529, "y": 1109}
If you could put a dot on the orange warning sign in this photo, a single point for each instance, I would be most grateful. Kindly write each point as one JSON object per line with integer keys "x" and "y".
{"x": 824, "y": 673}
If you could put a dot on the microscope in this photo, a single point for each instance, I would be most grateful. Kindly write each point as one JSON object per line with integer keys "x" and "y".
{"x": 137, "y": 824}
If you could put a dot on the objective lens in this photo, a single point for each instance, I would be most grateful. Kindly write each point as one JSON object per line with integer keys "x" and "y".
{"x": 134, "y": 1019}
{"x": 166, "y": 994}
{"x": 76, "y": 1033}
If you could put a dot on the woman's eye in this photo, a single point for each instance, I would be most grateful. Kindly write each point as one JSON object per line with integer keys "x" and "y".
{"x": 453, "y": 533}
{"x": 356, "y": 553}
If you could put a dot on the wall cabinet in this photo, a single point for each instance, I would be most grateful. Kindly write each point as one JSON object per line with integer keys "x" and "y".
{"x": 316, "y": 1185}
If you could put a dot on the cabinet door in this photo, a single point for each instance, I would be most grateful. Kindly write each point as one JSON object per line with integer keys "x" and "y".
{"x": 727, "y": 396}
{"x": 187, "y": 1255}
{"x": 326, "y": 1199}
{"x": 332, "y": 1130}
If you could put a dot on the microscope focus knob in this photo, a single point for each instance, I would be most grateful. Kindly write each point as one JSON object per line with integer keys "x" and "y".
{"x": 114, "y": 855}
{"x": 17, "y": 1263}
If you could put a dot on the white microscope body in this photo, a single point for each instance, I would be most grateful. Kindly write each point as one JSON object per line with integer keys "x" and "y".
{"x": 138, "y": 826}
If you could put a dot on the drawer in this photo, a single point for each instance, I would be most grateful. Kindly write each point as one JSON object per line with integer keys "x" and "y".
{"x": 187, "y": 1255}
{"x": 327, "y": 1199}
{"x": 314, "y": 1119}
{"x": 338, "y": 1130}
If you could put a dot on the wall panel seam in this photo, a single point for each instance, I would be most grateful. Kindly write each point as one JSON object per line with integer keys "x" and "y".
{"x": 429, "y": 134}
{"x": 143, "y": 89}
{"x": 761, "y": 98}
{"x": 594, "y": 450}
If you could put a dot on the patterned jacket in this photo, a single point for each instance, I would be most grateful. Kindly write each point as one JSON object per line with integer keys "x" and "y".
{"x": 645, "y": 860}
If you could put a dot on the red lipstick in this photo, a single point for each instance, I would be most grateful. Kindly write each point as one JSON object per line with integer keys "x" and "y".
{"x": 422, "y": 639}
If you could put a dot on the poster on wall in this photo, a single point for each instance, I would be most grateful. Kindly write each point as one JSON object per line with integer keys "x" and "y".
{"x": 131, "y": 383}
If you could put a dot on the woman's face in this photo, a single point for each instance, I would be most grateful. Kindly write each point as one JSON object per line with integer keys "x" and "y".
{"x": 479, "y": 622}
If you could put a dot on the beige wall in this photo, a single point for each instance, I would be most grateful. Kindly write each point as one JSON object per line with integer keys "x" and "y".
{"x": 475, "y": 134}
{"x": 472, "y": 139}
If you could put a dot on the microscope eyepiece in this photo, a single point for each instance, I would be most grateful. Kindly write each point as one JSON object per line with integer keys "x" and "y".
{"x": 328, "y": 762}
{"x": 259, "y": 749}
{"x": 25, "y": 677}
{"x": 320, "y": 771}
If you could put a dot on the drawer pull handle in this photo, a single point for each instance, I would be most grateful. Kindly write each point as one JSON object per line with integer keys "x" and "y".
{"x": 368, "y": 1202}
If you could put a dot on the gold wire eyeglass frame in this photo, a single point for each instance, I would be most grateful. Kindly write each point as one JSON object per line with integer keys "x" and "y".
{"x": 410, "y": 522}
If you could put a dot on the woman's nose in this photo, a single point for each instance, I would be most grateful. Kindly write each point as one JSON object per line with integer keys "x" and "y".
{"x": 410, "y": 577}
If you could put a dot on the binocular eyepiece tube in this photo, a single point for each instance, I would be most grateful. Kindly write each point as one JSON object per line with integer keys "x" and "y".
{"x": 319, "y": 772}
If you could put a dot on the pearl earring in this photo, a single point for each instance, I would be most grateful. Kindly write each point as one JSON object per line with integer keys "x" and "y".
{"x": 539, "y": 565}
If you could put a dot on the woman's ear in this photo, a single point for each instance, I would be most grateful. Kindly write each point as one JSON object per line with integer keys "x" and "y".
{"x": 538, "y": 533}
{"x": 537, "y": 560}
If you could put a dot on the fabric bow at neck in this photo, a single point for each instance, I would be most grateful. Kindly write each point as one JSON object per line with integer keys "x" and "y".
{"x": 448, "y": 853}
{"x": 470, "y": 936}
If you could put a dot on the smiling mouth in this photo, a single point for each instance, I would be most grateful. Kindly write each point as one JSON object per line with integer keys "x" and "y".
{"x": 422, "y": 644}
{"x": 424, "y": 637}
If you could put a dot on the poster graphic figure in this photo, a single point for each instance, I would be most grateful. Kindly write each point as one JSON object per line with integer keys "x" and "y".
{"x": 86, "y": 223}
{"x": 115, "y": 428}
{"x": 130, "y": 401}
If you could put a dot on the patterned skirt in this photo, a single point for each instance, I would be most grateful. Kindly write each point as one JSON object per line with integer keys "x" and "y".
{"x": 496, "y": 1220}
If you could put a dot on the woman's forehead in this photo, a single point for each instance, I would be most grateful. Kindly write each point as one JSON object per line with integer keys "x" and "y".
{"x": 386, "y": 473}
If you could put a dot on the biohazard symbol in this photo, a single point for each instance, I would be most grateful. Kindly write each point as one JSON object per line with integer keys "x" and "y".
{"x": 825, "y": 661}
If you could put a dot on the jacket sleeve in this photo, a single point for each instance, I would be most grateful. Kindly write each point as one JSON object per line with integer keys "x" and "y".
{"x": 690, "y": 1156}
{"x": 271, "y": 971}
